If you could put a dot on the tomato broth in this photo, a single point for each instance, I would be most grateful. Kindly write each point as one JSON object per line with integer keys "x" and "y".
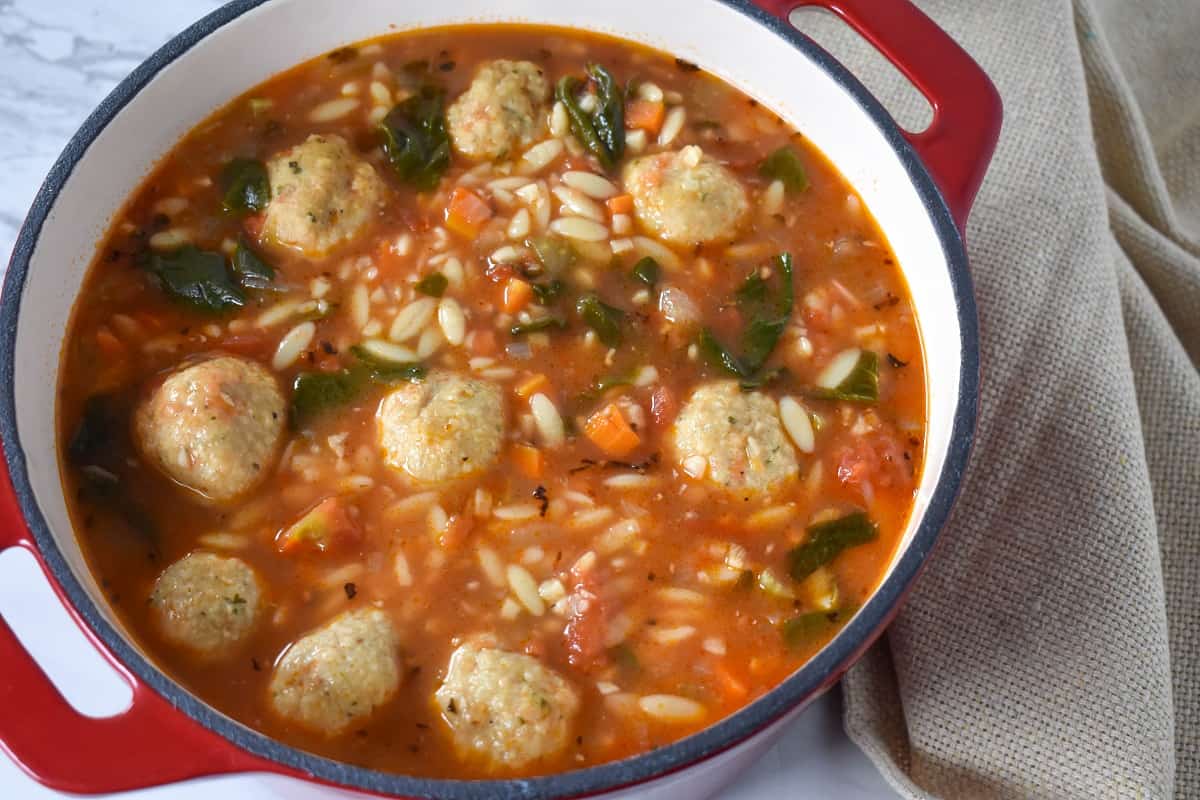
{"x": 656, "y": 428}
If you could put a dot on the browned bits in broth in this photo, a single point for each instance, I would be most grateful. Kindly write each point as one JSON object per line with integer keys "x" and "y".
{"x": 406, "y": 371}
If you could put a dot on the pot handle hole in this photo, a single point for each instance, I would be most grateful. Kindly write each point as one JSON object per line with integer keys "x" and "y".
{"x": 147, "y": 744}
{"x": 958, "y": 144}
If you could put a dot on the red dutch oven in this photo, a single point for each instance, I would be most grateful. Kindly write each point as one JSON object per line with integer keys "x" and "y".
{"x": 918, "y": 186}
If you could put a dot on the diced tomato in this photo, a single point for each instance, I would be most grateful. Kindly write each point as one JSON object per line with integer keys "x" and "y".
{"x": 253, "y": 225}
{"x": 466, "y": 212}
{"x": 876, "y": 457}
{"x": 246, "y": 344}
{"x": 326, "y": 525}
{"x": 483, "y": 342}
{"x": 587, "y": 622}
{"x": 663, "y": 406}
{"x": 499, "y": 273}
{"x": 458, "y": 528}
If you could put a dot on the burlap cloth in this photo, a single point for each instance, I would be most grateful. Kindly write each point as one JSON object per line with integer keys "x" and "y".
{"x": 1052, "y": 647}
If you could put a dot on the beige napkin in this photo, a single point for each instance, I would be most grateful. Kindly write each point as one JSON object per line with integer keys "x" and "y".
{"x": 1052, "y": 647}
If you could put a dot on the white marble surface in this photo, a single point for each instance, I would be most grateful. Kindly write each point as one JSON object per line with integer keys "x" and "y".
{"x": 58, "y": 58}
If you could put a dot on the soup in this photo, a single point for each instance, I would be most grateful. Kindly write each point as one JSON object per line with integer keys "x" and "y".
{"x": 490, "y": 401}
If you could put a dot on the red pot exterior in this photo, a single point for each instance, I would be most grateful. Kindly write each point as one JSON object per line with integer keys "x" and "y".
{"x": 152, "y": 743}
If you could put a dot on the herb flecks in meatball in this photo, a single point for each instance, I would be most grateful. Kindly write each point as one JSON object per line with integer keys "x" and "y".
{"x": 686, "y": 197}
{"x": 207, "y": 603}
{"x": 442, "y": 428}
{"x": 213, "y": 426}
{"x": 733, "y": 438}
{"x": 503, "y": 111}
{"x": 506, "y": 708}
{"x": 339, "y": 674}
{"x": 322, "y": 195}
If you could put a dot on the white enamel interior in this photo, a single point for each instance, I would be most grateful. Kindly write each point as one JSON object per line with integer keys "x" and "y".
{"x": 280, "y": 34}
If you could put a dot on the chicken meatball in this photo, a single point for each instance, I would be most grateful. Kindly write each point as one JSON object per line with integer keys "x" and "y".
{"x": 506, "y": 708}
{"x": 735, "y": 438}
{"x": 206, "y": 603}
{"x": 322, "y": 195}
{"x": 503, "y": 110}
{"x": 685, "y": 197}
{"x": 214, "y": 426}
{"x": 338, "y": 674}
{"x": 444, "y": 427}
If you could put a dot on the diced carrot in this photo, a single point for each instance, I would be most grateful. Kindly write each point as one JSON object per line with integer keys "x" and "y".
{"x": 109, "y": 344}
{"x": 466, "y": 212}
{"x": 483, "y": 342}
{"x": 529, "y": 460}
{"x": 621, "y": 204}
{"x": 730, "y": 685}
{"x": 608, "y": 430}
{"x": 646, "y": 115}
{"x": 517, "y": 294}
{"x": 532, "y": 385}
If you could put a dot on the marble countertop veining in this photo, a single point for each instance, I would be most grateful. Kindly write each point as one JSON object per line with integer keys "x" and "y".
{"x": 58, "y": 59}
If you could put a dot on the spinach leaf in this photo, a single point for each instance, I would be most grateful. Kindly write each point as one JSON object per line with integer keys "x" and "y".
{"x": 718, "y": 354}
{"x": 828, "y": 539}
{"x": 540, "y": 324}
{"x": 860, "y": 386}
{"x": 245, "y": 186}
{"x": 547, "y": 293}
{"x": 434, "y": 284}
{"x": 100, "y": 430}
{"x": 813, "y": 626}
{"x": 768, "y": 320}
{"x": 555, "y": 254}
{"x": 414, "y": 138}
{"x": 646, "y": 271}
{"x": 785, "y": 165}
{"x": 98, "y": 449}
{"x": 249, "y": 269}
{"x": 604, "y": 319}
{"x": 385, "y": 371}
{"x": 623, "y": 656}
{"x": 602, "y": 132}
{"x": 197, "y": 278}
{"x": 315, "y": 392}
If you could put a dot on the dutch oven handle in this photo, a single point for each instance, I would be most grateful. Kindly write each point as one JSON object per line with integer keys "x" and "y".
{"x": 148, "y": 744}
{"x": 958, "y": 144}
